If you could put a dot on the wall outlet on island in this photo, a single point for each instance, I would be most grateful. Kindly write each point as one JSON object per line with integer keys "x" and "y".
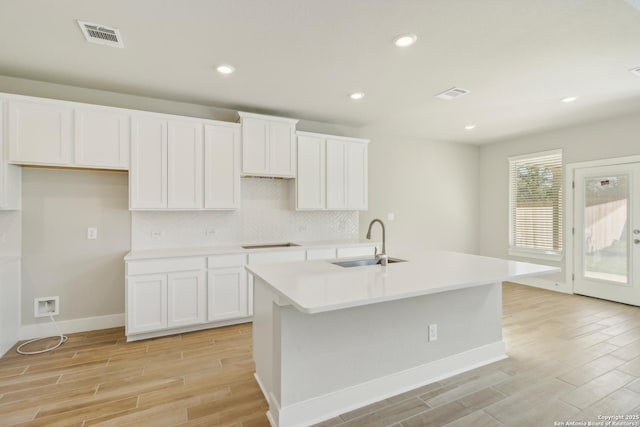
{"x": 433, "y": 332}
{"x": 210, "y": 232}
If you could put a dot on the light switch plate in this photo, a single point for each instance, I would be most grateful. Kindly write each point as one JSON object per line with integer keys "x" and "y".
{"x": 92, "y": 233}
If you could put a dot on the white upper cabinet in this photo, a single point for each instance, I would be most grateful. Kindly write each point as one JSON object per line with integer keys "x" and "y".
{"x": 10, "y": 175}
{"x": 59, "y": 133}
{"x": 222, "y": 166}
{"x": 332, "y": 172}
{"x": 40, "y": 132}
{"x": 185, "y": 165}
{"x": 182, "y": 164}
{"x": 311, "y": 180}
{"x": 336, "y": 174}
{"x": 268, "y": 145}
{"x": 102, "y": 138}
{"x": 357, "y": 176}
{"x": 148, "y": 175}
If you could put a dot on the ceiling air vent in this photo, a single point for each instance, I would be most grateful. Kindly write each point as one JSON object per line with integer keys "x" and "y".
{"x": 100, "y": 34}
{"x": 453, "y": 93}
{"x": 635, "y": 71}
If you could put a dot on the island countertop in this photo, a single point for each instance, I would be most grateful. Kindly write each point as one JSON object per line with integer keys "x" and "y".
{"x": 320, "y": 286}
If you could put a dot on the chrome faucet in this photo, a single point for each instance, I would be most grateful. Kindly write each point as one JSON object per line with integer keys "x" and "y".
{"x": 382, "y": 256}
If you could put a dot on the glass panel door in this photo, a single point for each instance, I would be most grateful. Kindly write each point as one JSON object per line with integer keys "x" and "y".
{"x": 606, "y": 250}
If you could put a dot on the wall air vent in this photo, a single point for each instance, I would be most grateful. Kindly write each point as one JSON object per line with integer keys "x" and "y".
{"x": 635, "y": 71}
{"x": 95, "y": 33}
{"x": 453, "y": 93}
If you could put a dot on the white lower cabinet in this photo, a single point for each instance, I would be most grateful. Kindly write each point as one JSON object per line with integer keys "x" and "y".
{"x": 161, "y": 301}
{"x": 165, "y": 293}
{"x": 228, "y": 293}
{"x": 146, "y": 303}
{"x": 174, "y": 295}
{"x": 186, "y": 298}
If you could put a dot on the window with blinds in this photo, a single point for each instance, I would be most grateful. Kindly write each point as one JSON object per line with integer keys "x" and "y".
{"x": 535, "y": 203}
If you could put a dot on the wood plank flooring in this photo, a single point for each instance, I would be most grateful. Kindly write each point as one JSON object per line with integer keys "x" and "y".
{"x": 572, "y": 358}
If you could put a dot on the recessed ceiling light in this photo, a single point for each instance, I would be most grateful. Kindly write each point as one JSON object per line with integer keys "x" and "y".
{"x": 569, "y": 99}
{"x": 225, "y": 69}
{"x": 356, "y": 95}
{"x": 405, "y": 40}
{"x": 469, "y": 127}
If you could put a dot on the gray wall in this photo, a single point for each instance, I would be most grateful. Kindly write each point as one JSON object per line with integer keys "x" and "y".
{"x": 431, "y": 187}
{"x": 57, "y": 258}
{"x": 617, "y": 137}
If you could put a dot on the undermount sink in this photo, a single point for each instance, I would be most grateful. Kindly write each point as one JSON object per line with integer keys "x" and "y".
{"x": 270, "y": 245}
{"x": 363, "y": 262}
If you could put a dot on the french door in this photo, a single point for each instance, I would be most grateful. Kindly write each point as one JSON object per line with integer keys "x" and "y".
{"x": 606, "y": 260}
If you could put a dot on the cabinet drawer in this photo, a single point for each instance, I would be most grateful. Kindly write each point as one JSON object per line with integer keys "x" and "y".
{"x": 165, "y": 265}
{"x": 223, "y": 261}
{"x": 356, "y": 252}
{"x": 272, "y": 257}
{"x": 324, "y": 253}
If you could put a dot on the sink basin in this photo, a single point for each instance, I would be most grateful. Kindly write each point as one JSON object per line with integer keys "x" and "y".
{"x": 363, "y": 262}
{"x": 270, "y": 245}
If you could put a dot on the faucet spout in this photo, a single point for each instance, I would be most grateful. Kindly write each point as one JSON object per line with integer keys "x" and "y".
{"x": 383, "y": 255}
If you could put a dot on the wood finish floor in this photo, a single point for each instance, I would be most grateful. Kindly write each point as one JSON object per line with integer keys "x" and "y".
{"x": 571, "y": 358}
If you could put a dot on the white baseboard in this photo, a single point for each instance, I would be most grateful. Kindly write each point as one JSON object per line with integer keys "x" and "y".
{"x": 330, "y": 405}
{"x": 46, "y": 328}
{"x": 550, "y": 285}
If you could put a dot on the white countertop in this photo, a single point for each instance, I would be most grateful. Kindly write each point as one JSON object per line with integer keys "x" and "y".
{"x": 140, "y": 254}
{"x": 320, "y": 286}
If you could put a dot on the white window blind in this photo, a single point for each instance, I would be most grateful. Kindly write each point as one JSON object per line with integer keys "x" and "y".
{"x": 535, "y": 203}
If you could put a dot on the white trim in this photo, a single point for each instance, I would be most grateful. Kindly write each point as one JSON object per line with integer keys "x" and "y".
{"x": 550, "y": 285}
{"x": 536, "y": 154}
{"x": 524, "y": 253}
{"x": 569, "y": 219}
{"x": 185, "y": 329}
{"x": 324, "y": 407}
{"x": 46, "y": 328}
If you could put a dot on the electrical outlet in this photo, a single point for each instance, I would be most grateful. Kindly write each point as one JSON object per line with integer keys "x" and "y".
{"x": 433, "y": 332}
{"x": 391, "y": 216}
{"x": 156, "y": 234}
{"x": 302, "y": 228}
{"x": 44, "y": 306}
{"x": 210, "y": 232}
{"x": 92, "y": 233}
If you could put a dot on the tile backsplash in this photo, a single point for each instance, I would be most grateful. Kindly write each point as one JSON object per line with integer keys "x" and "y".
{"x": 266, "y": 215}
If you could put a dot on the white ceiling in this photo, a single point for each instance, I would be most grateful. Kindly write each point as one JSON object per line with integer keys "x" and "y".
{"x": 301, "y": 58}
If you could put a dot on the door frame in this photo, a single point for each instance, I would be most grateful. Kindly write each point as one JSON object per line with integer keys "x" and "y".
{"x": 569, "y": 223}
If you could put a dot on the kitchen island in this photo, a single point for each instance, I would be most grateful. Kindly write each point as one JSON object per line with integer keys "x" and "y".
{"x": 328, "y": 339}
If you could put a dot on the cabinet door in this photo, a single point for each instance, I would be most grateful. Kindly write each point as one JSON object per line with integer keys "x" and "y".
{"x": 221, "y": 167}
{"x": 255, "y": 154}
{"x": 310, "y": 182}
{"x": 227, "y": 296}
{"x": 282, "y": 149}
{"x": 336, "y": 174}
{"x": 39, "y": 133}
{"x": 146, "y": 303}
{"x": 148, "y": 173}
{"x": 185, "y": 165}
{"x": 186, "y": 298}
{"x": 102, "y": 139}
{"x": 357, "y": 187}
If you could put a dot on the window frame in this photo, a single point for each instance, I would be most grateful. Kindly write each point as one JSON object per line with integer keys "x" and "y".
{"x": 543, "y": 254}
